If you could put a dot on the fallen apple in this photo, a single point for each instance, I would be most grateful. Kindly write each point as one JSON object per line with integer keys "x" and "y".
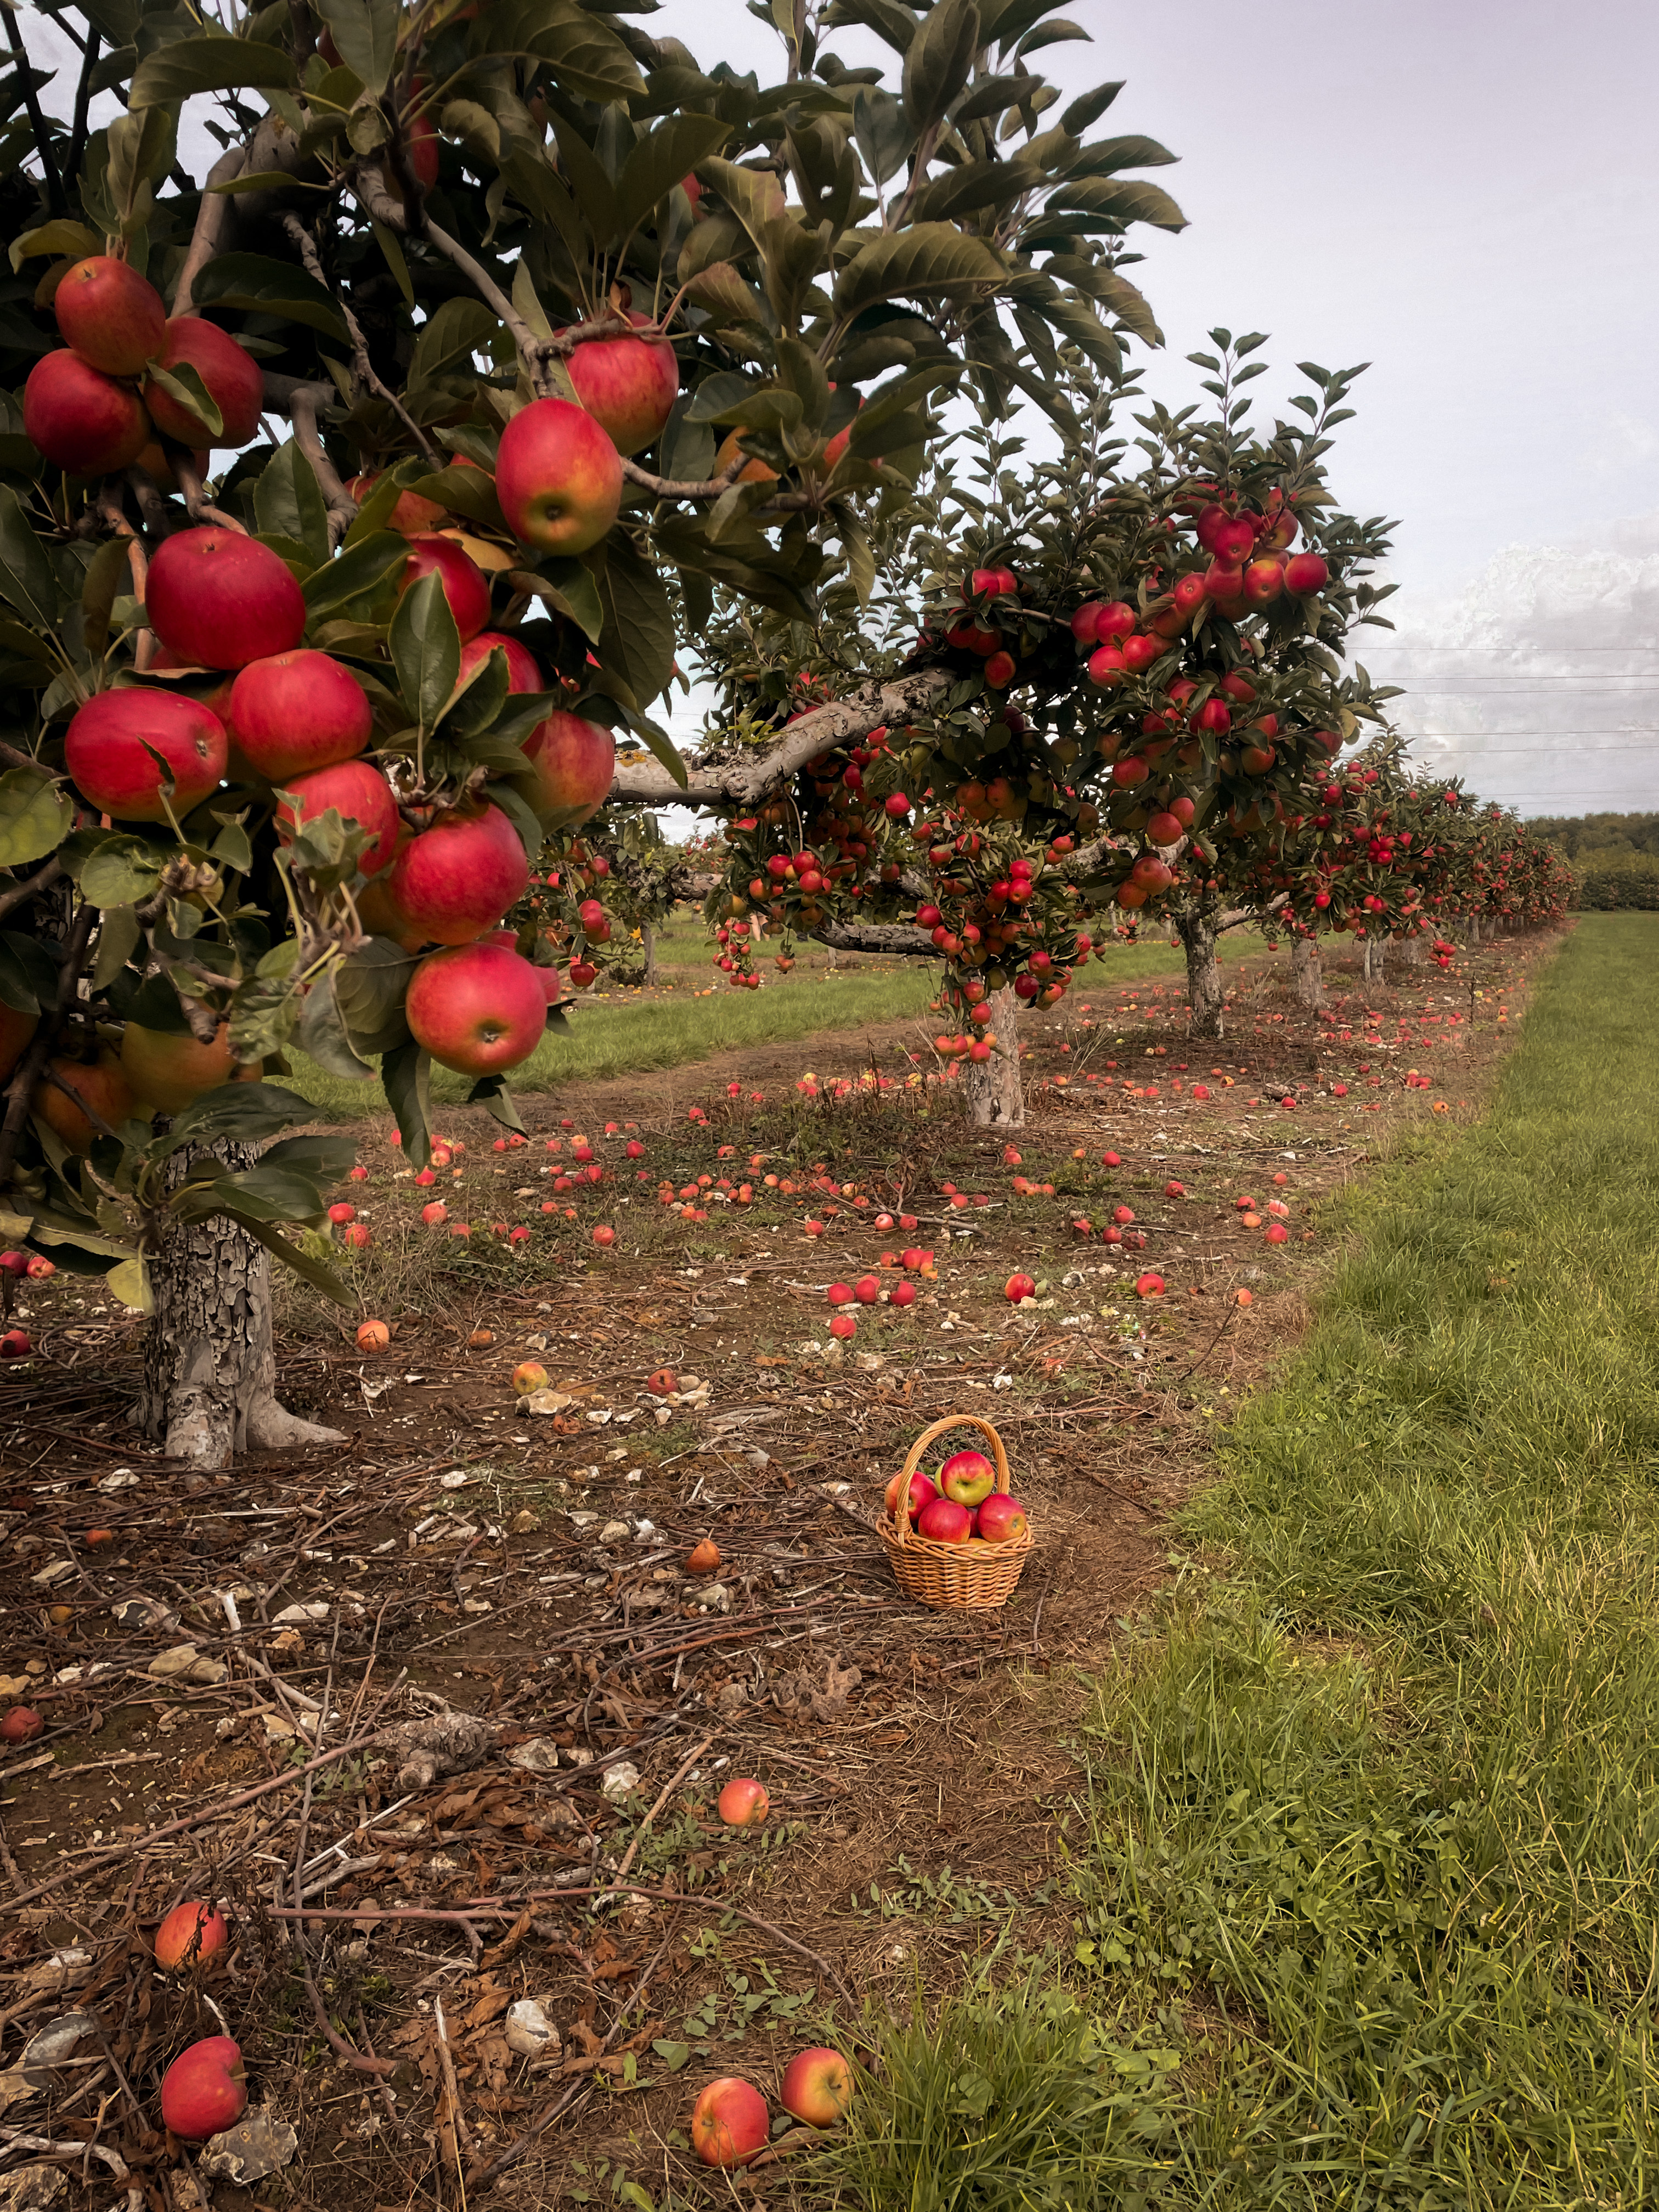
{"x": 730, "y": 2122}
{"x": 373, "y": 1336}
{"x": 1018, "y": 1287}
{"x": 818, "y": 2088}
{"x": 704, "y": 1558}
{"x": 663, "y": 1383}
{"x": 191, "y": 1932}
{"x": 744, "y": 1802}
{"x": 21, "y": 1725}
{"x": 204, "y": 2089}
{"x": 903, "y": 1294}
{"x": 528, "y": 1377}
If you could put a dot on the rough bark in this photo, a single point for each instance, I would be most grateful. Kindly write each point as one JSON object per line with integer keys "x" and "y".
{"x": 648, "y": 946}
{"x": 209, "y": 1358}
{"x": 995, "y": 1094}
{"x": 1307, "y": 980}
{"x": 1414, "y": 950}
{"x": 1197, "y": 933}
{"x": 1375, "y": 957}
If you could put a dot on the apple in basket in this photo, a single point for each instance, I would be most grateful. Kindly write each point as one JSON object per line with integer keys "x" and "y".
{"x": 1001, "y": 1519}
{"x": 968, "y": 1477}
{"x": 922, "y": 1494}
{"x": 944, "y": 1522}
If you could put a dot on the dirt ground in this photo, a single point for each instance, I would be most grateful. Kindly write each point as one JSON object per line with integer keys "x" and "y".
{"x": 438, "y": 1714}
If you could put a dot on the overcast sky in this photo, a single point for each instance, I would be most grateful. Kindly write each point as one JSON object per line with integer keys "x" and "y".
{"x": 1466, "y": 195}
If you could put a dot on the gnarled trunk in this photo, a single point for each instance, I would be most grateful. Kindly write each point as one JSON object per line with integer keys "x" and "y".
{"x": 995, "y": 1093}
{"x": 1307, "y": 979}
{"x": 1198, "y": 939}
{"x": 209, "y": 1358}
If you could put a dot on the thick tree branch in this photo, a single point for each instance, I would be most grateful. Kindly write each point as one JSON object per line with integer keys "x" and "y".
{"x": 197, "y": 505}
{"x": 302, "y": 403}
{"x": 877, "y": 937}
{"x": 751, "y": 776}
{"x": 16, "y": 895}
{"x": 211, "y": 215}
{"x": 685, "y": 487}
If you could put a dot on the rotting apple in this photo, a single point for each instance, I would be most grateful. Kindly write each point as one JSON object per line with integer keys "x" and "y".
{"x": 529, "y": 1377}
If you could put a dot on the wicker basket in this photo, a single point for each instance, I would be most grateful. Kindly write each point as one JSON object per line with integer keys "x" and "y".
{"x": 954, "y": 1575}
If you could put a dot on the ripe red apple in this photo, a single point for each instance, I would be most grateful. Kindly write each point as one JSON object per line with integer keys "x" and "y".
{"x": 744, "y": 1802}
{"x": 523, "y": 670}
{"x": 1264, "y": 580}
{"x": 411, "y": 517}
{"x": 15, "y": 1344}
{"x": 574, "y": 761}
{"x": 295, "y": 712}
{"x": 558, "y": 476}
{"x": 435, "y": 1214}
{"x": 113, "y": 316}
{"x": 167, "y": 1071}
{"x": 373, "y": 1336}
{"x": 103, "y": 1086}
{"x": 234, "y": 382}
{"x": 628, "y": 385}
{"x": 1000, "y": 1518}
{"x": 358, "y": 793}
{"x": 1018, "y": 1287}
{"x": 1305, "y": 573}
{"x": 83, "y": 423}
{"x": 476, "y": 1008}
{"x": 1231, "y": 539}
{"x": 465, "y": 585}
{"x": 195, "y": 1928}
{"x": 21, "y": 1725}
{"x": 108, "y": 747}
{"x": 944, "y": 1522}
{"x": 968, "y": 1477}
{"x": 205, "y": 2089}
{"x": 220, "y": 600}
{"x": 458, "y": 878}
{"x": 818, "y": 2088}
{"x": 730, "y": 2122}
{"x": 902, "y": 1294}
{"x": 922, "y": 1493}
{"x": 1149, "y": 1286}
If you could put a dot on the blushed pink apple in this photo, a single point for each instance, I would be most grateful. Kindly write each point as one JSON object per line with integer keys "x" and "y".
{"x": 476, "y": 1008}
{"x": 744, "y": 1802}
{"x": 628, "y": 385}
{"x": 296, "y": 712}
{"x": 81, "y": 420}
{"x": 220, "y": 600}
{"x": 818, "y": 2088}
{"x": 922, "y": 1491}
{"x": 574, "y": 761}
{"x": 205, "y": 2089}
{"x": 458, "y": 878}
{"x": 358, "y": 793}
{"x": 114, "y": 318}
{"x": 108, "y": 747}
{"x": 730, "y": 2122}
{"x": 558, "y": 476}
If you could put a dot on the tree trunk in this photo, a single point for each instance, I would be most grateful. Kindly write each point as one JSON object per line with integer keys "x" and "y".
{"x": 995, "y": 1093}
{"x": 209, "y": 1360}
{"x": 1375, "y": 959}
{"x": 648, "y": 946}
{"x": 1307, "y": 980}
{"x": 1197, "y": 934}
{"x": 1414, "y": 951}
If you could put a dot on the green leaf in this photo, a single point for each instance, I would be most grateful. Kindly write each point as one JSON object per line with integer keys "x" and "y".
{"x": 464, "y": 490}
{"x": 391, "y": 253}
{"x": 1125, "y": 199}
{"x": 248, "y": 1111}
{"x": 118, "y": 940}
{"x": 365, "y": 32}
{"x": 370, "y": 985}
{"x": 937, "y": 61}
{"x": 1089, "y": 108}
{"x": 174, "y": 71}
{"x": 567, "y": 587}
{"x": 885, "y": 133}
{"x": 28, "y": 973}
{"x": 183, "y": 384}
{"x": 322, "y": 1033}
{"x": 406, "y": 1075}
{"x": 932, "y": 261}
{"x": 129, "y": 1285}
{"x": 662, "y": 747}
{"x": 288, "y": 504}
{"x": 124, "y": 871}
{"x": 426, "y": 649}
{"x": 888, "y": 19}
{"x": 754, "y": 196}
{"x": 673, "y": 2055}
{"x": 637, "y": 640}
{"x": 362, "y": 572}
{"x": 324, "y": 1160}
{"x": 260, "y": 285}
{"x": 491, "y": 1092}
{"x": 583, "y": 54}
{"x": 26, "y": 574}
{"x": 142, "y": 147}
{"x": 590, "y": 188}
{"x": 459, "y": 328}
{"x": 107, "y": 572}
{"x": 35, "y": 815}
{"x": 661, "y": 160}
{"x": 313, "y": 1272}
{"x": 55, "y": 238}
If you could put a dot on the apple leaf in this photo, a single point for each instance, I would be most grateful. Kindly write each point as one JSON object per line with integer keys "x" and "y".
{"x": 637, "y": 642}
{"x": 661, "y": 159}
{"x": 426, "y": 649}
{"x": 261, "y": 285}
{"x": 323, "y": 1034}
{"x": 184, "y": 66}
{"x": 128, "y": 1283}
{"x": 937, "y": 61}
{"x": 491, "y": 1092}
{"x": 406, "y": 1074}
{"x": 931, "y": 261}
{"x": 288, "y": 504}
{"x": 359, "y": 577}
{"x": 62, "y": 237}
{"x": 35, "y": 813}
{"x": 365, "y": 35}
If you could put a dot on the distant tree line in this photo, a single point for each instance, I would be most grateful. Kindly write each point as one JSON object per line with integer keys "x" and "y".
{"x": 1616, "y": 857}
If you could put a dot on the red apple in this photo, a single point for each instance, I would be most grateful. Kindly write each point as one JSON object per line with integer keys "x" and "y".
{"x": 15, "y": 1344}
{"x": 458, "y": 878}
{"x": 574, "y": 761}
{"x": 730, "y": 2122}
{"x": 1018, "y": 1287}
{"x": 476, "y": 1008}
{"x": 373, "y": 1336}
{"x": 465, "y": 585}
{"x": 194, "y": 1929}
{"x": 159, "y": 469}
{"x": 558, "y": 476}
{"x": 435, "y": 1214}
{"x": 295, "y": 712}
{"x": 412, "y": 516}
{"x": 380, "y": 912}
{"x": 818, "y": 2088}
{"x": 966, "y": 1477}
{"x": 113, "y": 316}
{"x": 744, "y": 1802}
{"x": 82, "y": 422}
{"x": 167, "y": 1071}
{"x": 108, "y": 747}
{"x": 204, "y": 2090}
{"x": 21, "y": 1725}
{"x": 1149, "y": 1286}
{"x": 103, "y": 1086}
{"x": 220, "y": 600}
{"x": 1264, "y": 580}
{"x": 1000, "y": 1519}
{"x": 922, "y": 1493}
{"x": 628, "y": 385}
{"x": 523, "y": 670}
{"x": 1305, "y": 573}
{"x": 902, "y": 1294}
{"x": 234, "y": 378}
{"x": 944, "y": 1522}
{"x": 358, "y": 793}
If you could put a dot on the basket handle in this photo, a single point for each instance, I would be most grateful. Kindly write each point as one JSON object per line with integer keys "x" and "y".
{"x": 902, "y": 1528}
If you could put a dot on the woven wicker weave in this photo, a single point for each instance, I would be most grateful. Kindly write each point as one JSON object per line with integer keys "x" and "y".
{"x": 954, "y": 1575}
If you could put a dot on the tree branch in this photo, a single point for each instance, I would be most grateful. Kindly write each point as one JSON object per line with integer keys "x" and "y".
{"x": 368, "y": 185}
{"x": 210, "y": 216}
{"x": 197, "y": 505}
{"x": 361, "y": 367}
{"x": 54, "y": 183}
{"x": 302, "y": 403}
{"x": 687, "y": 487}
{"x": 16, "y": 895}
{"x": 77, "y": 145}
{"x": 877, "y": 937}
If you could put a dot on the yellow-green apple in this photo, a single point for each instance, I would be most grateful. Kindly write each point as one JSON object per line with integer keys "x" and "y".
{"x": 818, "y": 2088}
{"x": 529, "y": 1377}
{"x": 922, "y": 1493}
{"x": 358, "y": 793}
{"x": 558, "y": 476}
{"x": 219, "y": 598}
{"x": 458, "y": 878}
{"x": 193, "y": 1931}
{"x": 1000, "y": 1518}
{"x": 102, "y": 1086}
{"x": 476, "y": 1008}
{"x": 628, "y": 385}
{"x": 82, "y": 421}
{"x": 574, "y": 761}
{"x": 167, "y": 1071}
{"x": 205, "y": 2089}
{"x": 730, "y": 2122}
{"x": 944, "y": 1522}
{"x": 465, "y": 585}
{"x": 109, "y": 746}
{"x": 113, "y": 316}
{"x": 15, "y": 1030}
{"x": 523, "y": 669}
{"x": 295, "y": 712}
{"x": 234, "y": 382}
{"x": 968, "y": 1477}
{"x": 744, "y": 1802}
